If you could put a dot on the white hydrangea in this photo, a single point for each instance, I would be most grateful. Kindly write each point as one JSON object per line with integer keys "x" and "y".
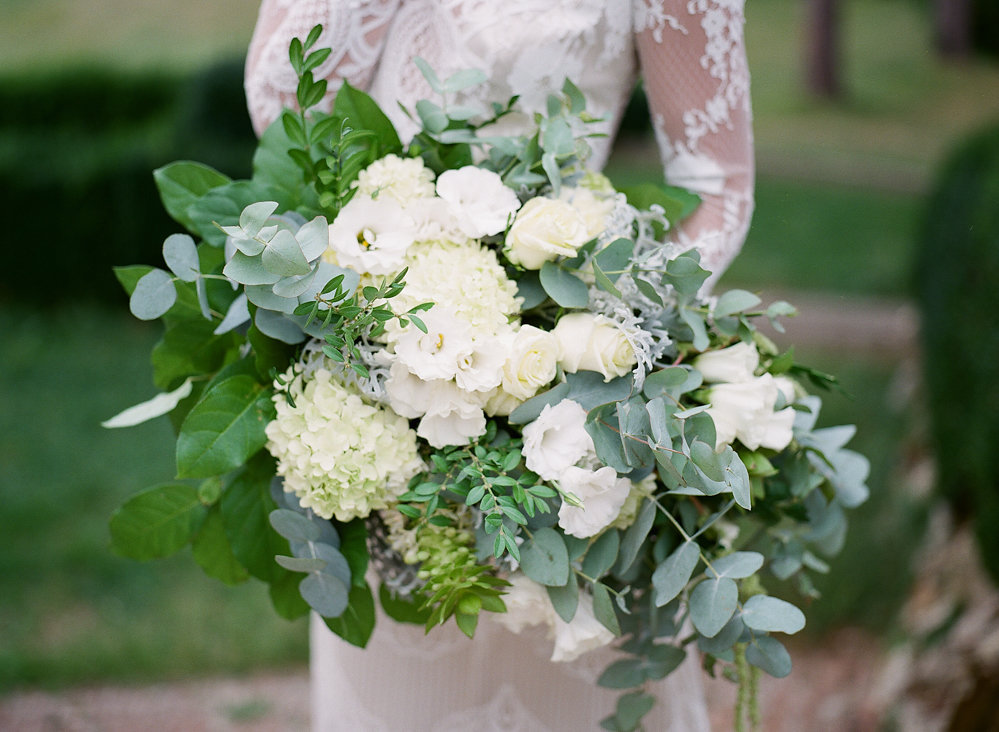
{"x": 403, "y": 179}
{"x": 340, "y": 455}
{"x": 464, "y": 277}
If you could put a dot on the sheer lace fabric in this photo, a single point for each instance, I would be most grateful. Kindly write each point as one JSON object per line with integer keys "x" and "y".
{"x": 692, "y": 58}
{"x": 689, "y": 52}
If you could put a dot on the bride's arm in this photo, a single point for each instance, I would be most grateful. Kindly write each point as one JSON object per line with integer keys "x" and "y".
{"x": 354, "y": 29}
{"x": 693, "y": 62}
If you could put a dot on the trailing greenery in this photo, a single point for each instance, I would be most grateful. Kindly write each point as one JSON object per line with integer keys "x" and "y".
{"x": 956, "y": 279}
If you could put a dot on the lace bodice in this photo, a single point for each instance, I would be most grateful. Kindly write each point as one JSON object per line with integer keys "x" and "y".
{"x": 689, "y": 52}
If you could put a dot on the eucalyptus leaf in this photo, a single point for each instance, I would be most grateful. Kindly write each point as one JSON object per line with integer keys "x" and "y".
{"x": 564, "y": 287}
{"x": 153, "y": 296}
{"x": 314, "y": 238}
{"x": 300, "y": 564}
{"x": 181, "y": 256}
{"x": 544, "y": 558}
{"x": 712, "y": 604}
{"x": 734, "y": 301}
{"x": 325, "y": 593}
{"x": 254, "y": 216}
{"x": 237, "y": 314}
{"x": 737, "y": 565}
{"x": 672, "y": 575}
{"x": 724, "y": 639}
{"x": 603, "y": 608}
{"x": 589, "y": 389}
{"x": 248, "y": 270}
{"x": 635, "y": 535}
{"x": 147, "y": 410}
{"x": 530, "y": 410}
{"x": 770, "y": 655}
{"x": 615, "y": 258}
{"x": 357, "y": 622}
{"x": 771, "y": 614}
{"x": 602, "y": 554}
{"x": 283, "y": 256}
{"x": 293, "y": 526}
{"x": 277, "y": 326}
{"x": 624, "y": 674}
{"x": 463, "y": 79}
{"x": 565, "y": 599}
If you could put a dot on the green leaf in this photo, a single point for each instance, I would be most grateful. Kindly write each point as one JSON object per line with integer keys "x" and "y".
{"x": 544, "y": 558}
{"x": 401, "y": 610}
{"x": 432, "y": 116}
{"x": 213, "y": 552}
{"x": 327, "y": 594}
{"x": 615, "y": 258}
{"x": 565, "y": 599}
{"x": 181, "y": 256}
{"x": 181, "y": 184}
{"x": 603, "y": 608}
{"x": 676, "y": 202}
{"x": 246, "y": 507}
{"x": 671, "y": 380}
{"x": 672, "y": 575}
{"x": 770, "y": 614}
{"x": 589, "y": 390}
{"x": 354, "y": 547}
{"x": 737, "y": 565}
{"x": 529, "y": 410}
{"x": 635, "y": 535}
{"x": 624, "y": 674}
{"x": 222, "y": 206}
{"x": 770, "y": 655}
{"x": 712, "y": 604}
{"x": 529, "y": 288}
{"x": 157, "y": 522}
{"x": 357, "y": 622}
{"x": 293, "y": 525}
{"x": 696, "y": 323}
{"x": 602, "y": 554}
{"x": 283, "y": 256}
{"x": 224, "y": 429}
{"x": 154, "y": 294}
{"x": 564, "y": 287}
{"x": 363, "y": 112}
{"x": 150, "y": 409}
{"x": 724, "y": 639}
{"x": 285, "y": 595}
{"x": 686, "y": 275}
{"x": 463, "y": 79}
{"x": 630, "y": 710}
{"x": 735, "y": 301}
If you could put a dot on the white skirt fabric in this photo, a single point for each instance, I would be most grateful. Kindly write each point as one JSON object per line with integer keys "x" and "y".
{"x": 407, "y": 681}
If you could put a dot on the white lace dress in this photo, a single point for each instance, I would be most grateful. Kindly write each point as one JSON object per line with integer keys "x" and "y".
{"x": 691, "y": 56}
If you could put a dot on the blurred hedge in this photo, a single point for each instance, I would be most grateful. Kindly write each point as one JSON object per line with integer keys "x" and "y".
{"x": 77, "y": 151}
{"x": 957, "y": 286}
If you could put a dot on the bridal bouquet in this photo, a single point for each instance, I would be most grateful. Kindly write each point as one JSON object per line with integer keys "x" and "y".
{"x": 469, "y": 372}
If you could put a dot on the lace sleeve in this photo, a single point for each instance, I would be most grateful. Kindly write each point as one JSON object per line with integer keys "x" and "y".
{"x": 693, "y": 61}
{"x": 354, "y": 29}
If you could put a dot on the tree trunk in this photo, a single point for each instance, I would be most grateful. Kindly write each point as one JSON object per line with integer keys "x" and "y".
{"x": 952, "y": 27}
{"x": 822, "y": 53}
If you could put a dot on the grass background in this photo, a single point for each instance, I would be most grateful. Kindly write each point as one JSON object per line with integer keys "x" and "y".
{"x": 838, "y": 203}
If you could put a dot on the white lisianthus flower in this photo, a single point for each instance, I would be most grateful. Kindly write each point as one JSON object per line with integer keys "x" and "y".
{"x": 434, "y": 220}
{"x": 456, "y": 421}
{"x": 500, "y": 404}
{"x": 371, "y": 237}
{"x": 557, "y": 439}
{"x": 588, "y": 342}
{"x": 584, "y": 633}
{"x": 732, "y": 364}
{"x": 531, "y": 363}
{"x": 340, "y": 455}
{"x": 527, "y": 604}
{"x": 602, "y": 494}
{"x": 480, "y": 368}
{"x": 745, "y": 411}
{"x": 544, "y": 230}
{"x": 402, "y": 179}
{"x": 481, "y": 202}
{"x": 593, "y": 208}
{"x": 438, "y": 353}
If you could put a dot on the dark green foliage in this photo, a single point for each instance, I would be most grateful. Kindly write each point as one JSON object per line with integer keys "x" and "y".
{"x": 985, "y": 27}
{"x": 957, "y": 278}
{"x": 77, "y": 151}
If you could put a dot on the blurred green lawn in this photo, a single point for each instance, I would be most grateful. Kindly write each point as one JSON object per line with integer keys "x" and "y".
{"x": 72, "y": 612}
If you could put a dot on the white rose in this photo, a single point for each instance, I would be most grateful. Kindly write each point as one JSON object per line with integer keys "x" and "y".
{"x": 590, "y": 342}
{"x": 532, "y": 363}
{"x": 544, "y": 230}
{"x": 527, "y": 604}
{"x": 602, "y": 494}
{"x": 371, "y": 237}
{"x": 500, "y": 404}
{"x": 745, "y": 411}
{"x": 557, "y": 439}
{"x": 732, "y": 364}
{"x": 482, "y": 204}
{"x": 593, "y": 208}
{"x": 583, "y": 633}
